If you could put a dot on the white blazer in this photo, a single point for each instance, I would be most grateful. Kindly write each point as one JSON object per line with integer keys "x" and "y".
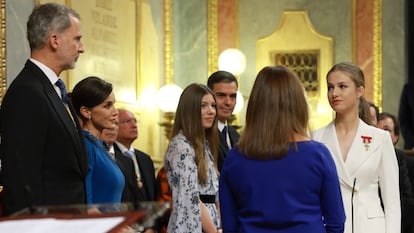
{"x": 371, "y": 162}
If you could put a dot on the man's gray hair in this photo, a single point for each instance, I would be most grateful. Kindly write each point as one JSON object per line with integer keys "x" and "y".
{"x": 46, "y": 19}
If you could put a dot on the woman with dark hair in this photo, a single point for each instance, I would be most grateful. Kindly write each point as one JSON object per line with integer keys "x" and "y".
{"x": 277, "y": 179}
{"x": 190, "y": 163}
{"x": 364, "y": 156}
{"x": 94, "y": 102}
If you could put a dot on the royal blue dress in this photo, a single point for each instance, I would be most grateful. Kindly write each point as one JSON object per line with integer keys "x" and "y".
{"x": 104, "y": 181}
{"x": 297, "y": 193}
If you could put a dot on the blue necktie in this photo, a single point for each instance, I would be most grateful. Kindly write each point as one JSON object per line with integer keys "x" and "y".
{"x": 59, "y": 83}
{"x": 224, "y": 132}
{"x": 224, "y": 135}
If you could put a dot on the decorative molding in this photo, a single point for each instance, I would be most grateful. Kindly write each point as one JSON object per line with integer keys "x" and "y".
{"x": 237, "y": 23}
{"x": 168, "y": 42}
{"x": 366, "y": 35}
{"x": 3, "y": 67}
{"x": 377, "y": 43}
{"x": 353, "y": 32}
{"x": 297, "y": 35}
{"x": 138, "y": 55}
{"x": 212, "y": 37}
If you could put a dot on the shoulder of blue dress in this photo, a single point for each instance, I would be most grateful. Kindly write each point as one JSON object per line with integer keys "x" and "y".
{"x": 88, "y": 135}
{"x": 91, "y": 137}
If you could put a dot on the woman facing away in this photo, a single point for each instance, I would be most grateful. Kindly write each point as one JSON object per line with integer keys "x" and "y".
{"x": 364, "y": 156}
{"x": 277, "y": 179}
{"x": 190, "y": 163}
{"x": 94, "y": 102}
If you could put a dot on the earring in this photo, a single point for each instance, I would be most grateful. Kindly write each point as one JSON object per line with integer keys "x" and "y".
{"x": 89, "y": 117}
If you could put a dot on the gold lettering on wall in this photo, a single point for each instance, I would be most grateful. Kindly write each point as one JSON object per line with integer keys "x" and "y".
{"x": 110, "y": 42}
{"x": 104, "y": 4}
{"x": 104, "y": 19}
{"x": 104, "y": 38}
{"x": 103, "y": 35}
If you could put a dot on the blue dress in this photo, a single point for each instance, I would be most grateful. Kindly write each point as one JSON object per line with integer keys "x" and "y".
{"x": 104, "y": 181}
{"x": 182, "y": 177}
{"x": 297, "y": 193}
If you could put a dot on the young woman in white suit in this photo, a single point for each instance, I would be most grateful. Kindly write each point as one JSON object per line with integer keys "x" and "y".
{"x": 364, "y": 156}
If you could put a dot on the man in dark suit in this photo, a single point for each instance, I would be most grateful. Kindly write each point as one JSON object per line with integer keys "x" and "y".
{"x": 389, "y": 122}
{"x": 224, "y": 86}
{"x": 143, "y": 165}
{"x": 406, "y": 115}
{"x": 43, "y": 155}
{"x": 131, "y": 192}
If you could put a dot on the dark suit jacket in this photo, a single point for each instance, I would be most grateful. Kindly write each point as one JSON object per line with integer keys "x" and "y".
{"x": 406, "y": 193}
{"x": 410, "y": 168}
{"x": 406, "y": 115}
{"x": 223, "y": 148}
{"x": 147, "y": 171}
{"x": 131, "y": 192}
{"x": 44, "y": 160}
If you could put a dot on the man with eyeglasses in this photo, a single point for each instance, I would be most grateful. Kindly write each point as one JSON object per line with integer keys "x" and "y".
{"x": 143, "y": 164}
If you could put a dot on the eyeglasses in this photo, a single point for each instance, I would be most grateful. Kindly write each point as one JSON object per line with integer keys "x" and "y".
{"x": 128, "y": 121}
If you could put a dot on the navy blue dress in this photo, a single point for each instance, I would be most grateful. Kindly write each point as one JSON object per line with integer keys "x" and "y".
{"x": 297, "y": 193}
{"x": 104, "y": 181}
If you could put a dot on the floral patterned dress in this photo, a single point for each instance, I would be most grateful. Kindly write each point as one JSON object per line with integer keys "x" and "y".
{"x": 183, "y": 180}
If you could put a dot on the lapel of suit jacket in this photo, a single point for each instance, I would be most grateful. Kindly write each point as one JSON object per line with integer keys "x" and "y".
{"x": 57, "y": 104}
{"x": 361, "y": 149}
{"x": 331, "y": 140}
{"x": 222, "y": 141}
{"x": 118, "y": 158}
{"x": 234, "y": 135}
{"x": 147, "y": 191}
{"x": 129, "y": 173}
